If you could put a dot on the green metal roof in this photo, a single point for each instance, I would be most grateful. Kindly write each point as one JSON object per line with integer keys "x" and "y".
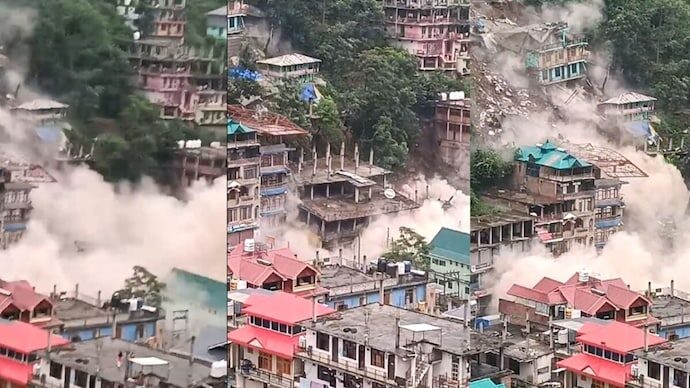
{"x": 451, "y": 245}
{"x": 213, "y": 294}
{"x": 485, "y": 383}
{"x": 235, "y": 128}
{"x": 548, "y": 155}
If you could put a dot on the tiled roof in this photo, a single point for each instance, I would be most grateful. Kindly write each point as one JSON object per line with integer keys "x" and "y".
{"x": 548, "y": 155}
{"x": 289, "y": 60}
{"x": 628, "y": 98}
{"x": 283, "y": 307}
{"x": 452, "y": 245}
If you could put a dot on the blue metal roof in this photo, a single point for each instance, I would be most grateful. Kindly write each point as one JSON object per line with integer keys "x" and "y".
{"x": 485, "y": 383}
{"x": 272, "y": 191}
{"x": 548, "y": 155}
{"x": 309, "y": 93}
{"x": 452, "y": 245}
{"x": 608, "y": 223}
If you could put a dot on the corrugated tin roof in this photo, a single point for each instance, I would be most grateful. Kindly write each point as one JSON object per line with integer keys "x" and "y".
{"x": 41, "y": 104}
{"x": 289, "y": 60}
{"x": 548, "y": 155}
{"x": 485, "y": 383}
{"x": 235, "y": 128}
{"x": 452, "y": 245}
{"x": 627, "y": 98}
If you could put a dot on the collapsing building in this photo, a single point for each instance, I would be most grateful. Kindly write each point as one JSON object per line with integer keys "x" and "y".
{"x": 194, "y": 161}
{"x": 437, "y": 32}
{"x": 452, "y": 126}
{"x": 243, "y": 161}
{"x": 337, "y": 202}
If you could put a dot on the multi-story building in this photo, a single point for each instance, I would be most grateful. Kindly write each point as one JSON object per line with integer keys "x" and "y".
{"x": 672, "y": 307}
{"x": 273, "y": 269}
{"x": 437, "y": 32}
{"x": 82, "y": 317}
{"x": 15, "y": 205}
{"x": 450, "y": 262}
{"x": 243, "y": 161}
{"x": 194, "y": 162}
{"x": 109, "y": 363}
{"x": 338, "y": 201}
{"x": 377, "y": 346}
{"x": 559, "y": 58}
{"x": 491, "y": 235}
{"x": 128, "y": 10}
{"x": 564, "y": 187}
{"x": 629, "y": 106}
{"x": 349, "y": 287}
{"x": 608, "y": 355}
{"x": 581, "y": 295}
{"x": 662, "y": 366}
{"x": 608, "y": 209}
{"x": 452, "y": 124}
{"x": 236, "y": 15}
{"x": 20, "y": 302}
{"x": 290, "y": 67}
{"x": 267, "y": 345}
{"x": 218, "y": 22}
{"x": 168, "y": 19}
{"x": 272, "y": 131}
{"x": 20, "y": 344}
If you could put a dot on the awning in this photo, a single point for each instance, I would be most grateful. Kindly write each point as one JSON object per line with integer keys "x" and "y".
{"x": 273, "y": 191}
{"x": 608, "y": 223}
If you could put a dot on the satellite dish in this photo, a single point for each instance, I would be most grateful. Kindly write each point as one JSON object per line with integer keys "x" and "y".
{"x": 389, "y": 193}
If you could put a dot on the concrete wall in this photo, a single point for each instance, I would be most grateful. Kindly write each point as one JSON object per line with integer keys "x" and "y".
{"x": 397, "y": 297}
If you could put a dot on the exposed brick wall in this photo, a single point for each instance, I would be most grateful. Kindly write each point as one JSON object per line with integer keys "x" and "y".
{"x": 518, "y": 312}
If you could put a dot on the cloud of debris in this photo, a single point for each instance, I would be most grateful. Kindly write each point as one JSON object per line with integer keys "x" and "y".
{"x": 16, "y": 27}
{"x": 580, "y": 16}
{"x": 85, "y": 230}
{"x": 426, "y": 220}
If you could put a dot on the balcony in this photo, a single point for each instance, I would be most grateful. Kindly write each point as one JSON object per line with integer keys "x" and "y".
{"x": 236, "y": 161}
{"x": 345, "y": 366}
{"x": 242, "y": 201}
{"x": 478, "y": 290}
{"x": 640, "y": 381}
{"x": 272, "y": 380}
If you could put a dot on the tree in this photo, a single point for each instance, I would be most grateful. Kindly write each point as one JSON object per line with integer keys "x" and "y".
{"x": 78, "y": 53}
{"x": 328, "y": 126}
{"x": 144, "y": 284}
{"x": 487, "y": 169}
{"x": 410, "y": 246}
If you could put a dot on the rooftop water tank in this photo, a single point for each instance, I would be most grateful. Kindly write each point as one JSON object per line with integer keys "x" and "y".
{"x": 249, "y": 245}
{"x": 219, "y": 369}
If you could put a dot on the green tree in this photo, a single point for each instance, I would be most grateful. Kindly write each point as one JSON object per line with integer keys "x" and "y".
{"x": 144, "y": 284}
{"x": 328, "y": 126}
{"x": 410, "y": 246}
{"x": 78, "y": 53}
{"x": 487, "y": 169}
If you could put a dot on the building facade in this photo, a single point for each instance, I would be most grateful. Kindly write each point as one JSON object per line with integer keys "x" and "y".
{"x": 290, "y": 67}
{"x": 608, "y": 209}
{"x": 437, "y": 32}
{"x": 452, "y": 123}
{"x": 450, "y": 263}
{"x": 16, "y": 208}
{"x": 629, "y": 106}
{"x": 661, "y": 366}
{"x": 218, "y": 22}
{"x": 244, "y": 158}
{"x": 560, "y": 59}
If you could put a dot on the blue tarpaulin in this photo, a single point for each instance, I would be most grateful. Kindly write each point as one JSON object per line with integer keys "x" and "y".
{"x": 242, "y": 73}
{"x": 608, "y": 223}
{"x": 14, "y": 227}
{"x": 273, "y": 191}
{"x": 309, "y": 93}
{"x": 641, "y": 129}
{"x": 49, "y": 134}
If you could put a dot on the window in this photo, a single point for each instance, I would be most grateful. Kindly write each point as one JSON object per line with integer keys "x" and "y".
{"x": 322, "y": 341}
{"x": 55, "y": 370}
{"x": 274, "y": 326}
{"x": 377, "y": 385}
{"x": 653, "y": 370}
{"x": 80, "y": 378}
{"x": 629, "y": 358}
{"x": 680, "y": 378}
{"x": 265, "y": 361}
{"x": 283, "y": 328}
{"x": 283, "y": 366}
{"x": 257, "y": 321}
{"x": 350, "y": 349}
{"x": 377, "y": 358}
{"x": 92, "y": 381}
{"x": 325, "y": 374}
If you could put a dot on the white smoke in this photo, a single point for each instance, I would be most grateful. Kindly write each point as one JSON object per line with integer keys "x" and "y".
{"x": 117, "y": 227}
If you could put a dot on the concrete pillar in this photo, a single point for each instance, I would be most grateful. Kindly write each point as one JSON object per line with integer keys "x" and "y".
{"x": 312, "y": 192}
{"x": 354, "y": 225}
{"x": 356, "y": 194}
{"x": 328, "y": 190}
{"x": 370, "y": 192}
{"x": 339, "y": 225}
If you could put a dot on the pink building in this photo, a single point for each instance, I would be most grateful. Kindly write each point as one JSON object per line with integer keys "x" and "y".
{"x": 169, "y": 20}
{"x": 437, "y": 32}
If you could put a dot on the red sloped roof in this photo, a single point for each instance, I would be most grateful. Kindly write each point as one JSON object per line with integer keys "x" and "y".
{"x": 547, "y": 285}
{"x": 282, "y": 307}
{"x": 265, "y": 340}
{"x": 528, "y": 293}
{"x": 22, "y": 295}
{"x": 617, "y": 336}
{"x": 596, "y": 368}
{"x": 15, "y": 371}
{"x": 26, "y": 338}
{"x": 283, "y": 263}
{"x": 622, "y": 296}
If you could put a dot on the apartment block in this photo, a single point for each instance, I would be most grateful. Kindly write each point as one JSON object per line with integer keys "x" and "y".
{"x": 660, "y": 366}
{"x": 437, "y": 32}
{"x": 376, "y": 345}
{"x": 452, "y": 125}
{"x": 194, "y": 162}
{"x": 560, "y": 58}
{"x": 583, "y": 295}
{"x": 15, "y": 205}
{"x": 267, "y": 345}
{"x": 450, "y": 263}
{"x": 672, "y": 307}
{"x": 628, "y": 106}
{"x": 218, "y": 22}
{"x": 290, "y": 67}
{"x": 243, "y": 161}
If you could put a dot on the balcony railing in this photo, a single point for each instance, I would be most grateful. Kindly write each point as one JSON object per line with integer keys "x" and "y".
{"x": 639, "y": 381}
{"x": 269, "y": 378}
{"x": 350, "y": 367}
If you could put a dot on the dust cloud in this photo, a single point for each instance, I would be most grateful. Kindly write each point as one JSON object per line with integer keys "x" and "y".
{"x": 580, "y": 16}
{"x": 426, "y": 220}
{"x": 85, "y": 230}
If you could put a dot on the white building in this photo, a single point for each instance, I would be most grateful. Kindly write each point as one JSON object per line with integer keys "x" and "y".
{"x": 666, "y": 365}
{"x": 376, "y": 346}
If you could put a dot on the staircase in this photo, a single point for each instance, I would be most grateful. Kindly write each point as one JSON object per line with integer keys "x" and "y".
{"x": 420, "y": 371}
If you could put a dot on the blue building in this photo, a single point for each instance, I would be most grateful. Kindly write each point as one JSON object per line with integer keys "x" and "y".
{"x": 350, "y": 287}
{"x": 217, "y": 22}
{"x": 672, "y": 307}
